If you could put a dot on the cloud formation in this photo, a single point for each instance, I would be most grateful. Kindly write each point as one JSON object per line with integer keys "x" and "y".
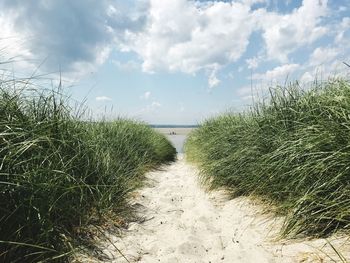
{"x": 323, "y": 55}
{"x": 210, "y": 35}
{"x": 153, "y": 107}
{"x": 103, "y": 98}
{"x": 205, "y": 36}
{"x": 277, "y": 74}
{"x": 284, "y": 33}
{"x": 79, "y": 35}
{"x": 72, "y": 35}
{"x": 146, "y": 95}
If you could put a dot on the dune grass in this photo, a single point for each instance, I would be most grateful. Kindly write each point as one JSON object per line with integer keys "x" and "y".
{"x": 58, "y": 173}
{"x": 293, "y": 151}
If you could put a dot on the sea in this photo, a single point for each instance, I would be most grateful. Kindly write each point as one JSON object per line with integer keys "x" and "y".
{"x": 177, "y": 134}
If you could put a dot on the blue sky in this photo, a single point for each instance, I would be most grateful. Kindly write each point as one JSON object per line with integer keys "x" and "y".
{"x": 175, "y": 61}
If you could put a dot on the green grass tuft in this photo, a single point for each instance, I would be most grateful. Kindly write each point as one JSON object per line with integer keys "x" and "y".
{"x": 293, "y": 150}
{"x": 57, "y": 172}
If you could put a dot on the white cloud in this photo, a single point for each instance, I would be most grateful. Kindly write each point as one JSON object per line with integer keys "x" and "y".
{"x": 278, "y": 73}
{"x": 326, "y": 62}
{"x": 103, "y": 98}
{"x": 252, "y": 63}
{"x": 324, "y": 71}
{"x": 12, "y": 46}
{"x": 151, "y": 108}
{"x": 342, "y": 28}
{"x": 285, "y": 33}
{"x": 307, "y": 77}
{"x": 146, "y": 95}
{"x": 252, "y": 2}
{"x": 323, "y": 55}
{"x": 75, "y": 36}
{"x": 209, "y": 35}
{"x": 156, "y": 104}
{"x": 213, "y": 81}
{"x": 205, "y": 36}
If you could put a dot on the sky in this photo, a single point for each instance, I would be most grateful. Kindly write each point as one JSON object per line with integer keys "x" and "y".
{"x": 174, "y": 61}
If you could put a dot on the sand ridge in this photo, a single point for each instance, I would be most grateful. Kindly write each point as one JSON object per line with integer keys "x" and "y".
{"x": 183, "y": 223}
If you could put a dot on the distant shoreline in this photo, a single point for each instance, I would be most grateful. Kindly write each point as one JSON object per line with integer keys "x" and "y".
{"x": 174, "y": 130}
{"x": 172, "y": 126}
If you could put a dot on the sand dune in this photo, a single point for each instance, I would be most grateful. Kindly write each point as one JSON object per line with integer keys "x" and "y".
{"x": 184, "y": 224}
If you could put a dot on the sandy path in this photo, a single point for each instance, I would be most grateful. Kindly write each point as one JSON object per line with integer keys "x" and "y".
{"x": 185, "y": 224}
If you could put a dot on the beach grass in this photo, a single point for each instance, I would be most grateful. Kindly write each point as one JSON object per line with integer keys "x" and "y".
{"x": 59, "y": 174}
{"x": 292, "y": 151}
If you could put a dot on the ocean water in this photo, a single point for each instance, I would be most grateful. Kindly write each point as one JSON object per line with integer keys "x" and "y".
{"x": 178, "y": 141}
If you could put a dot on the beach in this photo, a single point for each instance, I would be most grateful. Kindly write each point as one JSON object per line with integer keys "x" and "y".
{"x": 181, "y": 222}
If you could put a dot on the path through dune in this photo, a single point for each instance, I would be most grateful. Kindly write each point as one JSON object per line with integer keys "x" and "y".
{"x": 182, "y": 223}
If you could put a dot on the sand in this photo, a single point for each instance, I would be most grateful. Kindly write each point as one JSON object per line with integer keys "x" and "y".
{"x": 183, "y": 223}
